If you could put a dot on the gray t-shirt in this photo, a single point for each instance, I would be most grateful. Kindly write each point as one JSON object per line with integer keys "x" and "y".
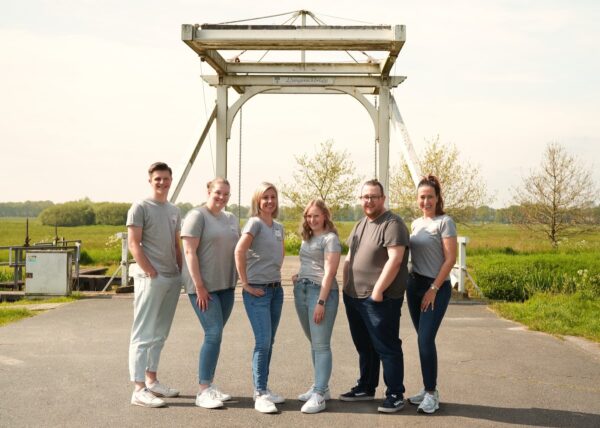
{"x": 218, "y": 236}
{"x": 265, "y": 255}
{"x": 426, "y": 250}
{"x": 312, "y": 257}
{"x": 368, "y": 244}
{"x": 160, "y": 222}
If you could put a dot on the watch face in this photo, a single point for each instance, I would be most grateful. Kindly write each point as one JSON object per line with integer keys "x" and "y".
{"x": 321, "y": 302}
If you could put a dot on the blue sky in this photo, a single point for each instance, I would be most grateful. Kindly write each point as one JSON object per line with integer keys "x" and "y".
{"x": 94, "y": 91}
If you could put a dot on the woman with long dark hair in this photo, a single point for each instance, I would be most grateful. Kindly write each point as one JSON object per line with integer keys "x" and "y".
{"x": 433, "y": 254}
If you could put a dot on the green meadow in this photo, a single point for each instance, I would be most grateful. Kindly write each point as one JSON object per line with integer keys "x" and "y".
{"x": 528, "y": 281}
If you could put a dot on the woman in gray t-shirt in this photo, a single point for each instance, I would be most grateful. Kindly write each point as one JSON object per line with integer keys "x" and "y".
{"x": 258, "y": 257}
{"x": 433, "y": 254}
{"x": 316, "y": 296}
{"x": 209, "y": 235}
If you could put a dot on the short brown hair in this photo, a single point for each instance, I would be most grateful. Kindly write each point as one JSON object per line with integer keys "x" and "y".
{"x": 159, "y": 166}
{"x": 374, "y": 182}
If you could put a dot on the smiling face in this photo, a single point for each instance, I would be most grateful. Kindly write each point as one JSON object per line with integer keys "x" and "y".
{"x": 373, "y": 201}
{"x": 268, "y": 202}
{"x": 160, "y": 181}
{"x": 218, "y": 196}
{"x": 315, "y": 219}
{"x": 427, "y": 200}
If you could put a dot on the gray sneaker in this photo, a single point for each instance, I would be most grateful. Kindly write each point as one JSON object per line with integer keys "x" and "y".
{"x": 430, "y": 403}
{"x": 418, "y": 398}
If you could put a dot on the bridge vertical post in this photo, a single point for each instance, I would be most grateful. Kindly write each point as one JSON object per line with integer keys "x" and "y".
{"x": 222, "y": 111}
{"x": 384, "y": 140}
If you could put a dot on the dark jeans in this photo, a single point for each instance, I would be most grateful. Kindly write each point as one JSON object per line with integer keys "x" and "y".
{"x": 427, "y": 323}
{"x": 375, "y": 330}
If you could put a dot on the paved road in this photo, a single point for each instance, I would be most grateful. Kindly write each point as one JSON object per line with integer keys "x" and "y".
{"x": 68, "y": 367}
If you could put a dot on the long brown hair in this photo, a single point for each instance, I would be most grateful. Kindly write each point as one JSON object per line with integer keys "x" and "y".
{"x": 433, "y": 182}
{"x": 328, "y": 225}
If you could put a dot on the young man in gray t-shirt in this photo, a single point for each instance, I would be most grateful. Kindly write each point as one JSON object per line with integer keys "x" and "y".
{"x": 374, "y": 278}
{"x": 153, "y": 233}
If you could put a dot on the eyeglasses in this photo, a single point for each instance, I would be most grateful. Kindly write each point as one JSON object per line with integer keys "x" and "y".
{"x": 367, "y": 198}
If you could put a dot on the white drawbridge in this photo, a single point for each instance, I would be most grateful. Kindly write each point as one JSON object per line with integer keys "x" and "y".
{"x": 358, "y": 78}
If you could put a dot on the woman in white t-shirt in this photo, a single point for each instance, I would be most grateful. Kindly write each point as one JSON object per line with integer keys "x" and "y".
{"x": 209, "y": 235}
{"x": 433, "y": 254}
{"x": 316, "y": 296}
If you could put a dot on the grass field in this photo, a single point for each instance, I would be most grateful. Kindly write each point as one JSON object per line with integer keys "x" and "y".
{"x": 99, "y": 244}
{"x": 516, "y": 263}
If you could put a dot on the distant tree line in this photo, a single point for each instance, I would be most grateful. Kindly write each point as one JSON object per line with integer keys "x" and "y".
{"x": 23, "y": 209}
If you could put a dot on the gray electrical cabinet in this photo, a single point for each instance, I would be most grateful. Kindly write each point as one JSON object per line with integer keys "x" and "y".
{"x": 48, "y": 272}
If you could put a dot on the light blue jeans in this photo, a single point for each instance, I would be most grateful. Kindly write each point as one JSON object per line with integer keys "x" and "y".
{"x": 213, "y": 322}
{"x": 264, "y": 313}
{"x": 306, "y": 295}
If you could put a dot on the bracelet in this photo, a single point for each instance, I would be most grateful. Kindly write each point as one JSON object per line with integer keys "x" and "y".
{"x": 433, "y": 287}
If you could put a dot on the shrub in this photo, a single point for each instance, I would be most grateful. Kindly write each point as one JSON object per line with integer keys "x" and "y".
{"x": 518, "y": 277}
{"x": 292, "y": 243}
{"x": 78, "y": 213}
{"x": 111, "y": 213}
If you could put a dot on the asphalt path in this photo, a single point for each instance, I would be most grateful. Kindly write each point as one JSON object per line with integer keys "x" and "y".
{"x": 68, "y": 367}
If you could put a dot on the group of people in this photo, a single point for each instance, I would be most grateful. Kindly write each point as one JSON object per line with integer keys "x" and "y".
{"x": 217, "y": 255}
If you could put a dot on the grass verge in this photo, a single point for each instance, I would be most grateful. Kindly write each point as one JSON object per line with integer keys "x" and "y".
{"x": 58, "y": 299}
{"x": 14, "y": 314}
{"x": 559, "y": 314}
{"x": 9, "y": 313}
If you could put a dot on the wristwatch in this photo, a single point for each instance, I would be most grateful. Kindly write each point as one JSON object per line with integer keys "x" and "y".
{"x": 321, "y": 302}
{"x": 433, "y": 287}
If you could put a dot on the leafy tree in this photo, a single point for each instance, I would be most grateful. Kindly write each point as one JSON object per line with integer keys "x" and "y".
{"x": 463, "y": 188}
{"x": 23, "y": 209}
{"x": 78, "y": 213}
{"x": 328, "y": 174}
{"x": 557, "y": 196}
{"x": 111, "y": 213}
{"x": 240, "y": 211}
{"x": 184, "y": 207}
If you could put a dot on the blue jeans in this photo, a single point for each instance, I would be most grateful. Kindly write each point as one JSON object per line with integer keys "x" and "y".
{"x": 427, "y": 323}
{"x": 306, "y": 295}
{"x": 375, "y": 330}
{"x": 264, "y": 313}
{"x": 213, "y": 321}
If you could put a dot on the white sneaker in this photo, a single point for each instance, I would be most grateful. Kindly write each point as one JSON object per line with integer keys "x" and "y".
{"x": 307, "y": 394}
{"x": 160, "y": 390}
{"x": 264, "y": 405}
{"x": 430, "y": 403}
{"x": 208, "y": 399}
{"x": 315, "y": 404}
{"x": 145, "y": 398}
{"x": 273, "y": 397}
{"x": 219, "y": 394}
{"x": 418, "y": 398}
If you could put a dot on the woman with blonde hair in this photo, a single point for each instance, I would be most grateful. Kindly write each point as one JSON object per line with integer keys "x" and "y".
{"x": 209, "y": 235}
{"x": 316, "y": 296}
{"x": 258, "y": 257}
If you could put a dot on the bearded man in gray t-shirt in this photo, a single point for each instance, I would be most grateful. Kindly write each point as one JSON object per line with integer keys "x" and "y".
{"x": 374, "y": 277}
{"x": 153, "y": 226}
